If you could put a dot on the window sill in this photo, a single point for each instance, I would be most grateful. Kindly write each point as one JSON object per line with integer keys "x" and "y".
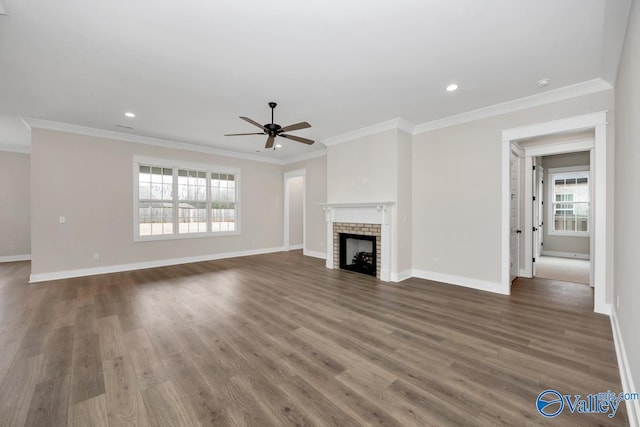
{"x": 184, "y": 236}
{"x": 569, "y": 234}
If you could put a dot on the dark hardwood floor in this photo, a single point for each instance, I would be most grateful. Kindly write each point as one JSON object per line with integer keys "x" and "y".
{"x": 278, "y": 339}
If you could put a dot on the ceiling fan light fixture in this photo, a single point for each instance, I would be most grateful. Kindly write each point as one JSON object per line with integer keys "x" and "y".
{"x": 274, "y": 130}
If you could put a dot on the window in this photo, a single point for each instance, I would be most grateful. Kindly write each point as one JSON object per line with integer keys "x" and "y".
{"x": 175, "y": 202}
{"x": 570, "y": 201}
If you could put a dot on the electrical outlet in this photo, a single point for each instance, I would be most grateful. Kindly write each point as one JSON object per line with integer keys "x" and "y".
{"x": 435, "y": 260}
{"x": 96, "y": 256}
{"x": 62, "y": 219}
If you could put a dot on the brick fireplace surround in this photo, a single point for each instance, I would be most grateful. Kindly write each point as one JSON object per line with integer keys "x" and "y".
{"x": 360, "y": 229}
{"x": 368, "y": 219}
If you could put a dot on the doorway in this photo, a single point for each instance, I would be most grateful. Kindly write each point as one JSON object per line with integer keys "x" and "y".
{"x": 596, "y": 123}
{"x": 562, "y": 224}
{"x": 294, "y": 210}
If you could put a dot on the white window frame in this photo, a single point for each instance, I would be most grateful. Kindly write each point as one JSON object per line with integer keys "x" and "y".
{"x": 176, "y": 165}
{"x": 550, "y": 196}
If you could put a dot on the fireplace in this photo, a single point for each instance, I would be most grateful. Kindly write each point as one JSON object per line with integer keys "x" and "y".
{"x": 370, "y": 222}
{"x": 358, "y": 253}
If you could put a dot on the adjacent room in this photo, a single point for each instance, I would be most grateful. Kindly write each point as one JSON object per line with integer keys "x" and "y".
{"x": 319, "y": 213}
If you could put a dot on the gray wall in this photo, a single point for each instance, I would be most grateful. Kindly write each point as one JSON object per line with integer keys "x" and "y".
{"x": 90, "y": 181}
{"x": 315, "y": 193}
{"x": 554, "y": 243}
{"x": 15, "y": 211}
{"x": 296, "y": 190}
{"x": 457, "y": 190}
{"x": 627, "y": 200}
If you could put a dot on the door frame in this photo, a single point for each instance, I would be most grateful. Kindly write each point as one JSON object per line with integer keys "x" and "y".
{"x": 510, "y": 137}
{"x": 287, "y": 177}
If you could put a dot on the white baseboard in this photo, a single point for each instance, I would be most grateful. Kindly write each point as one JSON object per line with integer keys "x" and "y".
{"x": 523, "y": 273}
{"x": 566, "y": 255}
{"x": 483, "y": 285}
{"x": 41, "y": 277}
{"x": 628, "y": 386}
{"x": 315, "y": 254}
{"x": 295, "y": 247}
{"x": 402, "y": 275}
{"x": 14, "y": 258}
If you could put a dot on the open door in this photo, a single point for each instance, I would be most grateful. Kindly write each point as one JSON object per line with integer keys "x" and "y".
{"x": 538, "y": 194}
{"x": 514, "y": 215}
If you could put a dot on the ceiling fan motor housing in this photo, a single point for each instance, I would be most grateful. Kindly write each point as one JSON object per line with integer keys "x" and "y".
{"x": 273, "y": 128}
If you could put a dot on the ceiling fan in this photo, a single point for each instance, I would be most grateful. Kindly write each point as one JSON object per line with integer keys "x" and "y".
{"x": 274, "y": 130}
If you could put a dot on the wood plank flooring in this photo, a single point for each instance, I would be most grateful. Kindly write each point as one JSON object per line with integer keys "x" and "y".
{"x": 278, "y": 339}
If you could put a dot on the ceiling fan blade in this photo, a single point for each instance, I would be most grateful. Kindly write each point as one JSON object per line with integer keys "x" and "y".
{"x": 270, "y": 141}
{"x": 297, "y": 138}
{"x": 297, "y": 126}
{"x": 238, "y": 134}
{"x": 253, "y": 122}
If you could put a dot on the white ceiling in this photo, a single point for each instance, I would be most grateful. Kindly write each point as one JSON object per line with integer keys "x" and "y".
{"x": 189, "y": 69}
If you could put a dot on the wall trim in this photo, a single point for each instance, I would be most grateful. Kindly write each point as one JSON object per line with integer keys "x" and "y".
{"x": 314, "y": 254}
{"x": 122, "y": 136}
{"x": 67, "y": 274}
{"x": 397, "y": 123}
{"x": 467, "y": 282}
{"x": 14, "y": 258}
{"x": 401, "y": 275}
{"x": 560, "y": 94}
{"x": 628, "y": 386}
{"x": 303, "y": 157}
{"x": 566, "y": 255}
{"x": 598, "y": 165}
{"x": 296, "y": 247}
{"x": 16, "y": 148}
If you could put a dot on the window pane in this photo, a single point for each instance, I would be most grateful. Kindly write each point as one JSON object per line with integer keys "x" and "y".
{"x": 155, "y": 218}
{"x": 144, "y": 190}
{"x": 223, "y": 217}
{"x": 223, "y": 189}
{"x": 571, "y": 202}
{"x": 191, "y": 185}
{"x": 161, "y": 205}
{"x": 192, "y": 217}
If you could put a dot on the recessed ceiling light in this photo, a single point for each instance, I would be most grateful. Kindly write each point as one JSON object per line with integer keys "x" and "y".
{"x": 130, "y": 114}
{"x": 278, "y": 145}
{"x": 543, "y": 83}
{"x": 452, "y": 87}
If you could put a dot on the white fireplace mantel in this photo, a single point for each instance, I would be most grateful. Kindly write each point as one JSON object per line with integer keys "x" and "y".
{"x": 362, "y": 213}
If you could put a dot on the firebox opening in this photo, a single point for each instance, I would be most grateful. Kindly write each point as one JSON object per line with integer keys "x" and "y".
{"x": 358, "y": 253}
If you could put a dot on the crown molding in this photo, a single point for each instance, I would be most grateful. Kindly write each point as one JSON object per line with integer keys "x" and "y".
{"x": 121, "y": 136}
{"x": 14, "y": 148}
{"x": 303, "y": 157}
{"x": 560, "y": 94}
{"x": 567, "y": 92}
{"x": 397, "y": 123}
